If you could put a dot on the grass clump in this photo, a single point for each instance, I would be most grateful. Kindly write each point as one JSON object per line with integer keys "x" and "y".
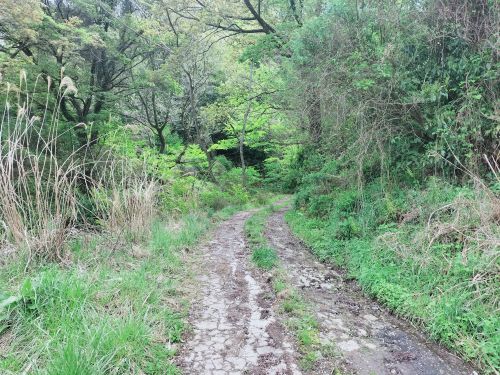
{"x": 265, "y": 257}
{"x": 302, "y": 323}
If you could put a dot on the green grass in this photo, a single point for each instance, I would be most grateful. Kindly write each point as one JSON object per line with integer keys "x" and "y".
{"x": 302, "y": 323}
{"x": 120, "y": 308}
{"x": 262, "y": 200}
{"x": 265, "y": 257}
{"x": 255, "y": 226}
{"x": 262, "y": 256}
{"x": 299, "y": 319}
{"x": 434, "y": 284}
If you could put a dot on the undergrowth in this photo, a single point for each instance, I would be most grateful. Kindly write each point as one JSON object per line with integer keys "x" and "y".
{"x": 431, "y": 255}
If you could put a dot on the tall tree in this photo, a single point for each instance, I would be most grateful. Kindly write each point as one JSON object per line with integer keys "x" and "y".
{"x": 96, "y": 44}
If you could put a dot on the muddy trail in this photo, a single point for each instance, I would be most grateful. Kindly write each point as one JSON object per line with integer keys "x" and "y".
{"x": 237, "y": 328}
{"x": 370, "y": 339}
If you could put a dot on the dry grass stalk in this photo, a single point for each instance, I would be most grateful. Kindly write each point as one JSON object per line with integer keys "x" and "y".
{"x": 37, "y": 190}
{"x": 125, "y": 198}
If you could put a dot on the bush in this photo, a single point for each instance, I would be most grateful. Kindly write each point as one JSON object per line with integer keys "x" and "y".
{"x": 215, "y": 199}
{"x": 181, "y": 194}
{"x": 346, "y": 201}
{"x": 347, "y": 229}
{"x": 320, "y": 205}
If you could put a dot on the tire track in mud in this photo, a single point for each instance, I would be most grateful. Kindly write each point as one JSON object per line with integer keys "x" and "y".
{"x": 370, "y": 340}
{"x": 235, "y": 330}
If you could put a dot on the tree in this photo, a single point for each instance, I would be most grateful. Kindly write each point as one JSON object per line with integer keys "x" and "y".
{"x": 241, "y": 138}
{"x": 153, "y": 96}
{"x": 97, "y": 45}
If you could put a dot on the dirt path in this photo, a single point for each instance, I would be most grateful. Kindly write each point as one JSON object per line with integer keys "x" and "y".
{"x": 235, "y": 330}
{"x": 370, "y": 339}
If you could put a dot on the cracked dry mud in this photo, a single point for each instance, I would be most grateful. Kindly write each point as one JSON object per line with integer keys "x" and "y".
{"x": 236, "y": 329}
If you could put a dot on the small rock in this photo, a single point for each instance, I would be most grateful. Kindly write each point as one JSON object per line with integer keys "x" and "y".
{"x": 331, "y": 275}
{"x": 326, "y": 286}
{"x": 370, "y": 317}
{"x": 348, "y": 346}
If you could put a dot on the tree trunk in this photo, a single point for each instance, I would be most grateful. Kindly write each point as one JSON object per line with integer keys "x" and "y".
{"x": 314, "y": 114}
{"x": 162, "y": 149}
{"x": 243, "y": 131}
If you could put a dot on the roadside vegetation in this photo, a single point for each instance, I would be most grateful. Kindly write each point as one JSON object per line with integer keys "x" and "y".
{"x": 127, "y": 127}
{"x": 116, "y": 307}
{"x": 431, "y": 255}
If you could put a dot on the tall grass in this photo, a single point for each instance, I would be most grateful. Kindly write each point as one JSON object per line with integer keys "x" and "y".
{"x": 41, "y": 184}
{"x": 125, "y": 198}
{"x": 37, "y": 189}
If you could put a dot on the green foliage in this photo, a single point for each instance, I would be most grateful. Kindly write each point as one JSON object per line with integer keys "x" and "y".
{"x": 405, "y": 248}
{"x": 215, "y": 200}
{"x": 347, "y": 229}
{"x": 265, "y": 47}
{"x": 7, "y": 304}
{"x": 445, "y": 86}
{"x": 280, "y": 174}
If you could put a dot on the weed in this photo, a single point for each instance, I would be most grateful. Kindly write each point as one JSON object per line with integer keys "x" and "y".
{"x": 279, "y": 285}
{"x": 254, "y": 228}
{"x": 293, "y": 304}
{"x": 72, "y": 360}
{"x": 308, "y": 361}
